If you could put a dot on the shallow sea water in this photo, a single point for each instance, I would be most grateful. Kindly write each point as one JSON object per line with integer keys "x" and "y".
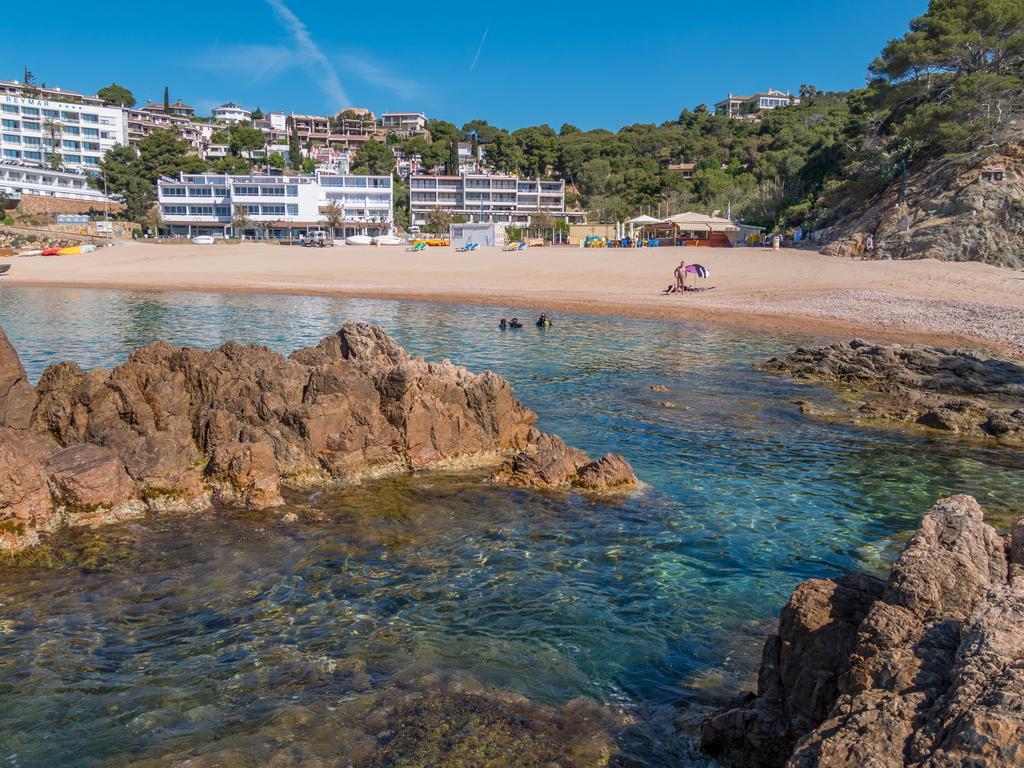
{"x": 247, "y": 640}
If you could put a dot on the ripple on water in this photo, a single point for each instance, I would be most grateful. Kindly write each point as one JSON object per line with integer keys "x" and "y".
{"x": 225, "y": 638}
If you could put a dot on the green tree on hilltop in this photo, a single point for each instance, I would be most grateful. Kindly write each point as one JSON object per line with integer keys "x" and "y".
{"x": 117, "y": 95}
{"x": 244, "y": 140}
{"x": 294, "y": 149}
{"x": 167, "y": 100}
{"x": 957, "y": 76}
{"x": 374, "y": 158}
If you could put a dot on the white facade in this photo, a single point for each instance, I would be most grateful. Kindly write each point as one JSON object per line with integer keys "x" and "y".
{"x": 274, "y": 206}
{"x": 487, "y": 198}
{"x": 404, "y": 123}
{"x": 231, "y": 113}
{"x": 748, "y": 107}
{"x": 18, "y": 180}
{"x": 31, "y": 130}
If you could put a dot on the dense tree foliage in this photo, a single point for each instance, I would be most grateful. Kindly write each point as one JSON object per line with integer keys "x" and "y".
{"x": 374, "y": 158}
{"x": 117, "y": 95}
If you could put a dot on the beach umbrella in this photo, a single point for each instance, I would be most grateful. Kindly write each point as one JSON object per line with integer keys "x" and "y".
{"x": 699, "y": 270}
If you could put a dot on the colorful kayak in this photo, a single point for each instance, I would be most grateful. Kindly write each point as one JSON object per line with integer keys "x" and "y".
{"x": 74, "y": 250}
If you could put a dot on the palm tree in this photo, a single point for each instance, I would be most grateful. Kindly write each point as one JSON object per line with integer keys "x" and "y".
{"x": 56, "y": 130}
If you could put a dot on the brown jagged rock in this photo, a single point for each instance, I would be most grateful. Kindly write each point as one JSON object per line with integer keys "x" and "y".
{"x": 933, "y": 676}
{"x": 177, "y": 428}
{"x": 952, "y": 390}
{"x": 551, "y": 464}
{"x": 25, "y": 504}
{"x": 965, "y": 207}
{"x": 801, "y": 667}
{"x": 17, "y": 399}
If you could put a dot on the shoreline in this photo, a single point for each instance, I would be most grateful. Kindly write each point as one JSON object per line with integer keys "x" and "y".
{"x": 789, "y": 291}
{"x": 809, "y": 325}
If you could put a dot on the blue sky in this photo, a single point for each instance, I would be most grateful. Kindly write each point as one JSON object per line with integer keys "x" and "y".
{"x": 593, "y": 65}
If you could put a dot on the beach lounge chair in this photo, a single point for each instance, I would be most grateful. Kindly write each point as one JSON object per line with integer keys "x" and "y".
{"x": 521, "y": 247}
{"x": 468, "y": 247}
{"x": 417, "y": 248}
{"x": 4, "y": 269}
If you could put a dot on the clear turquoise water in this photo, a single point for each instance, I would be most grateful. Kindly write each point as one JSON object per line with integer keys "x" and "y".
{"x": 214, "y": 629}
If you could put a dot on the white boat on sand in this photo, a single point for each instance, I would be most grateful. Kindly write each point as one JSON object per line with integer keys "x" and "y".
{"x": 359, "y": 240}
{"x": 387, "y": 240}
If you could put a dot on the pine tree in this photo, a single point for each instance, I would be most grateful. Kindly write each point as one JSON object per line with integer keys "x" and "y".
{"x": 167, "y": 100}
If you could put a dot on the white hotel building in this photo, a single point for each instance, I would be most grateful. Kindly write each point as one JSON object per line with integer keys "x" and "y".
{"x": 275, "y": 207}
{"x": 33, "y": 129}
{"x": 488, "y": 198}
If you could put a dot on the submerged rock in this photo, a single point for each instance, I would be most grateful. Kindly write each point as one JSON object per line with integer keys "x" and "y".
{"x": 432, "y": 725}
{"x": 951, "y": 390}
{"x": 926, "y": 670}
{"x": 177, "y": 428}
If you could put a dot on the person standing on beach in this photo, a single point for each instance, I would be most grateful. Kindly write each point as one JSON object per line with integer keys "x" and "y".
{"x": 680, "y": 274}
{"x": 869, "y": 246}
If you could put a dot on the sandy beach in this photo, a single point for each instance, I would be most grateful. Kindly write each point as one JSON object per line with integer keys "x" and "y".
{"x": 930, "y": 301}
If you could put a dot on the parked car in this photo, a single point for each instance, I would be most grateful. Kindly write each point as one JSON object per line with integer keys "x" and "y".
{"x": 317, "y": 239}
{"x": 203, "y": 240}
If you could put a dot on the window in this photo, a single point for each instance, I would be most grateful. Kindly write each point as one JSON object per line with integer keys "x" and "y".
{"x": 220, "y": 191}
{"x": 30, "y": 111}
{"x": 293, "y": 191}
{"x": 71, "y": 130}
{"x": 71, "y": 117}
{"x": 94, "y": 146}
{"x": 51, "y": 113}
{"x": 293, "y": 210}
{"x": 201, "y": 210}
{"x": 73, "y": 158}
{"x": 247, "y": 191}
{"x": 33, "y": 155}
{"x": 91, "y": 133}
{"x": 12, "y": 138}
{"x": 86, "y": 118}
{"x": 200, "y": 192}
{"x": 10, "y": 109}
{"x": 174, "y": 210}
{"x": 222, "y": 210}
{"x": 30, "y": 126}
{"x": 273, "y": 210}
{"x": 68, "y": 144}
{"x": 12, "y": 153}
{"x": 173, "y": 191}
{"x": 90, "y": 160}
{"x": 272, "y": 191}
{"x": 11, "y": 124}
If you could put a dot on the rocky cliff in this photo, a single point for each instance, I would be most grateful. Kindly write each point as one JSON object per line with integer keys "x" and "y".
{"x": 955, "y": 209}
{"x": 953, "y": 390}
{"x": 178, "y": 428}
{"x": 923, "y": 671}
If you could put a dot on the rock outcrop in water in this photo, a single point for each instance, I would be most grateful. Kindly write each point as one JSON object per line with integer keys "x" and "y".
{"x": 924, "y": 671}
{"x": 953, "y": 390}
{"x": 178, "y": 428}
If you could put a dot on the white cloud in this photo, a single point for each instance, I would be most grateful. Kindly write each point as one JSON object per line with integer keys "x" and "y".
{"x": 369, "y": 71}
{"x": 258, "y": 62}
{"x": 313, "y": 57}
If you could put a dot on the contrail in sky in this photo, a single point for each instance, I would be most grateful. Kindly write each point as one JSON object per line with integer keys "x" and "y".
{"x": 330, "y": 84}
{"x": 480, "y": 48}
